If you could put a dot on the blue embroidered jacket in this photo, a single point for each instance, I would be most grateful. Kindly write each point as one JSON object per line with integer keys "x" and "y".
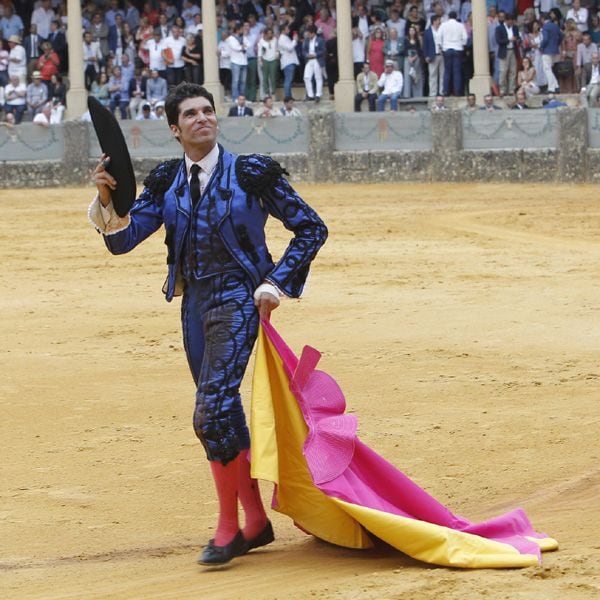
{"x": 247, "y": 189}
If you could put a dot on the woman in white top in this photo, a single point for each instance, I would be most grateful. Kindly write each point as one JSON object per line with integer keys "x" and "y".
{"x": 224, "y": 53}
{"x": 288, "y": 59}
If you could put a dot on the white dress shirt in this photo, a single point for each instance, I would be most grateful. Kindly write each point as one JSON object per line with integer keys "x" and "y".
{"x": 453, "y": 35}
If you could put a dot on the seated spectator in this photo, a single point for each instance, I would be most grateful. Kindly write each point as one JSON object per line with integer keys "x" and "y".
{"x": 520, "y": 101}
{"x": 440, "y": 104}
{"x": 37, "y": 94}
{"x": 552, "y": 102}
{"x": 8, "y": 121}
{"x": 240, "y": 109}
{"x": 159, "y": 111}
{"x": 118, "y": 88}
{"x": 488, "y": 103}
{"x": 43, "y": 117}
{"x": 390, "y": 82}
{"x": 471, "y": 104}
{"x": 100, "y": 89}
{"x": 146, "y": 113}
{"x": 58, "y": 90}
{"x": 137, "y": 91}
{"x": 15, "y": 96}
{"x": 3, "y": 64}
{"x": 592, "y": 89}
{"x": 267, "y": 111}
{"x": 366, "y": 88}
{"x": 156, "y": 88}
{"x": 288, "y": 109}
{"x": 526, "y": 78}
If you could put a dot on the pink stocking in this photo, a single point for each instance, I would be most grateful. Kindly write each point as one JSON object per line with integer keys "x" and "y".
{"x": 226, "y": 482}
{"x": 250, "y": 499}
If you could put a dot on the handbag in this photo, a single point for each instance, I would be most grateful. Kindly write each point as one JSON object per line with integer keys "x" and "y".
{"x": 563, "y": 68}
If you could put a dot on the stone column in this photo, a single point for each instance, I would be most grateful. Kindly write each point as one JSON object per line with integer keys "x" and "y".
{"x": 480, "y": 84}
{"x": 77, "y": 94}
{"x": 209, "y": 50}
{"x": 344, "y": 88}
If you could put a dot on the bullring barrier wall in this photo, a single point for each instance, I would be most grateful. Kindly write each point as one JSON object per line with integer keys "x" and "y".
{"x": 559, "y": 145}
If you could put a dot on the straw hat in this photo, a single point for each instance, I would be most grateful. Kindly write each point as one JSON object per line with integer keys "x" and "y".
{"x": 15, "y": 39}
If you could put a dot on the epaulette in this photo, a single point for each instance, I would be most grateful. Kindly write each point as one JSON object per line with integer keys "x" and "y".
{"x": 255, "y": 172}
{"x": 159, "y": 180}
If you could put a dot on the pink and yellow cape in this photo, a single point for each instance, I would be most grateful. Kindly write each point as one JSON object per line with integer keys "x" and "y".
{"x": 336, "y": 488}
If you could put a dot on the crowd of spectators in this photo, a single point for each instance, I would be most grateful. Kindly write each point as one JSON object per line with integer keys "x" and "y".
{"x": 134, "y": 50}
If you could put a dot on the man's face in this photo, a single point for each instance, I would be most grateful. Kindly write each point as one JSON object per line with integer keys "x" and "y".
{"x": 87, "y": 38}
{"x": 154, "y": 74}
{"x": 196, "y": 124}
{"x": 269, "y": 103}
{"x": 595, "y": 58}
{"x": 389, "y": 69}
{"x": 439, "y": 100}
{"x": 33, "y": 29}
{"x": 587, "y": 39}
{"x": 241, "y": 101}
{"x": 471, "y": 100}
{"x": 521, "y": 97}
{"x": 366, "y": 68}
{"x": 289, "y": 105}
{"x": 488, "y": 101}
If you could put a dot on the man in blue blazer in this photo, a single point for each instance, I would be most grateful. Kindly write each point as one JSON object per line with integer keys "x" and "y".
{"x": 507, "y": 38}
{"x": 552, "y": 38}
{"x": 313, "y": 51}
{"x": 214, "y": 205}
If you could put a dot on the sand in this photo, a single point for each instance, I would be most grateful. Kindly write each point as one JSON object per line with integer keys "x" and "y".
{"x": 462, "y": 322}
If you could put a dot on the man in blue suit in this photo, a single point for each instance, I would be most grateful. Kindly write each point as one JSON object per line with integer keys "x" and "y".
{"x": 552, "y": 38}
{"x": 507, "y": 38}
{"x": 313, "y": 51}
{"x": 214, "y": 205}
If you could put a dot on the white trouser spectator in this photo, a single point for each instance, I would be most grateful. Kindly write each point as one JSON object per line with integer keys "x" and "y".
{"x": 547, "y": 62}
{"x": 313, "y": 68}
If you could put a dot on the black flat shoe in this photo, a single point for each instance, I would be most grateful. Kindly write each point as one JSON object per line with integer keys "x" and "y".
{"x": 221, "y": 555}
{"x": 266, "y": 536}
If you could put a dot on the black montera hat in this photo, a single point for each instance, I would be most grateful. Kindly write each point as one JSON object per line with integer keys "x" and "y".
{"x": 113, "y": 145}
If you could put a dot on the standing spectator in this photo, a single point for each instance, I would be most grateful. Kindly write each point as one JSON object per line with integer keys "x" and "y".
{"x": 156, "y": 88}
{"x": 58, "y": 42}
{"x": 579, "y": 15}
{"x": 326, "y": 23}
{"x": 571, "y": 38}
{"x": 394, "y": 49}
{"x": 331, "y": 64}
{"x": 453, "y": 36}
{"x": 288, "y": 58}
{"x": 366, "y": 88}
{"x": 173, "y": 48}
{"x": 595, "y": 29}
{"x": 397, "y": 23}
{"x": 238, "y": 45}
{"x": 155, "y": 54}
{"x": 358, "y": 50}
{"x": 268, "y": 54}
{"x": 15, "y": 96}
{"x": 37, "y": 94}
{"x": 240, "y": 109}
{"x": 143, "y": 38}
{"x": 552, "y": 38}
{"x": 288, "y": 109}
{"x": 163, "y": 26}
{"x": 584, "y": 59}
{"x": 390, "y": 82}
{"x": 132, "y": 16}
{"x": 192, "y": 57}
{"x": 110, "y": 17}
{"x": 375, "y": 48}
{"x": 253, "y": 32}
{"x": 137, "y": 91}
{"x": 115, "y": 37}
{"x": 313, "y": 50}
{"x": 414, "y": 20}
{"x": 48, "y": 64}
{"x": 362, "y": 21}
{"x": 413, "y": 65}
{"x": 118, "y": 87}
{"x": 33, "y": 48}
{"x": 11, "y": 23}
{"x": 42, "y": 17}
{"x": 507, "y": 37}
{"x": 92, "y": 59}
{"x": 433, "y": 56}
{"x": 150, "y": 12}
{"x": 99, "y": 30}
{"x": 592, "y": 90}
{"x": 532, "y": 42}
{"x": 127, "y": 68}
{"x": 224, "y": 54}
{"x": 3, "y": 64}
{"x": 190, "y": 10}
{"x": 196, "y": 27}
{"x": 17, "y": 58}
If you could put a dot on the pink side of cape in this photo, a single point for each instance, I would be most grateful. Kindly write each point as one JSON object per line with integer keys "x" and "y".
{"x": 343, "y": 467}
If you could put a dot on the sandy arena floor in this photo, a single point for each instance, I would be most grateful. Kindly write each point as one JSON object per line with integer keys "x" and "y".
{"x": 462, "y": 322}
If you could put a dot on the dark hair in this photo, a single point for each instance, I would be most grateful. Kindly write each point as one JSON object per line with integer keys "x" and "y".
{"x": 180, "y": 93}
{"x": 288, "y": 99}
{"x": 311, "y": 29}
{"x": 452, "y": 14}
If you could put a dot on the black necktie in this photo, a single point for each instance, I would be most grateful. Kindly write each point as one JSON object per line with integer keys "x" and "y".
{"x": 195, "y": 184}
